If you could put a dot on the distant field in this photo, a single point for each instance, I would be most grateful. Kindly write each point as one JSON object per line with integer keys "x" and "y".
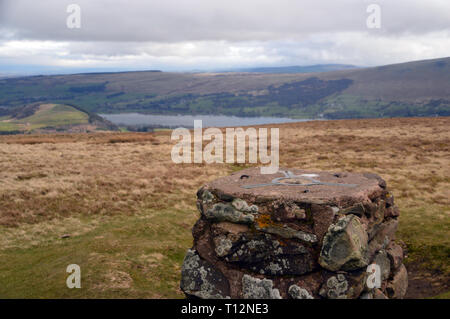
{"x": 126, "y": 211}
{"x": 48, "y": 115}
{"x": 418, "y": 88}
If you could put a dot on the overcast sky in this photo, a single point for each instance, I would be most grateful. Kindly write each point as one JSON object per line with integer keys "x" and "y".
{"x": 211, "y": 34}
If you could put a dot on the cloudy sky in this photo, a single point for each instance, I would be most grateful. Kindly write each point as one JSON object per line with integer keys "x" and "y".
{"x": 210, "y": 34}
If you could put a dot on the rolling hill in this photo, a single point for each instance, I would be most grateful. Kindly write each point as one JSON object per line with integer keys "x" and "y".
{"x": 420, "y": 88}
{"x": 50, "y": 118}
{"x": 297, "y": 68}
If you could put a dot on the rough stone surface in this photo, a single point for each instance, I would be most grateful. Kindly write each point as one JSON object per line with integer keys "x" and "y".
{"x": 336, "y": 287}
{"x": 299, "y": 293}
{"x": 395, "y": 254}
{"x": 225, "y": 212}
{"x": 345, "y": 245}
{"x": 397, "y": 287}
{"x": 201, "y": 279}
{"x": 254, "y": 288}
{"x": 290, "y": 240}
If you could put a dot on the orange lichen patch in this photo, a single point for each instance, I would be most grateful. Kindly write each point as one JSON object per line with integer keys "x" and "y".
{"x": 264, "y": 220}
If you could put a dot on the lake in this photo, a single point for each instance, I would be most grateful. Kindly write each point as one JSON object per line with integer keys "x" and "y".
{"x": 172, "y": 121}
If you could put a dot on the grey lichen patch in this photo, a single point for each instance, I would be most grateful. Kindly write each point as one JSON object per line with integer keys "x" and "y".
{"x": 207, "y": 197}
{"x": 345, "y": 245}
{"x": 223, "y": 245}
{"x": 336, "y": 287}
{"x": 297, "y": 292}
{"x": 201, "y": 279}
{"x": 253, "y": 249}
{"x": 242, "y": 206}
{"x": 255, "y": 288}
{"x": 264, "y": 255}
{"x": 288, "y": 233}
{"x": 225, "y": 212}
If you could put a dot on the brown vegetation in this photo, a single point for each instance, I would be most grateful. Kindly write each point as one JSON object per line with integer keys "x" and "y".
{"x": 46, "y": 179}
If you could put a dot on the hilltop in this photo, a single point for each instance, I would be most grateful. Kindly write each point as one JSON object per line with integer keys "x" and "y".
{"x": 419, "y": 88}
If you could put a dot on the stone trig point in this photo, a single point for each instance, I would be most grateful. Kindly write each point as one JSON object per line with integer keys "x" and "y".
{"x": 295, "y": 234}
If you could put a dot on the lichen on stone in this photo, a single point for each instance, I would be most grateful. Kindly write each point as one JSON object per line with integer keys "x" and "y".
{"x": 225, "y": 212}
{"x": 255, "y": 288}
{"x": 242, "y": 206}
{"x": 287, "y": 232}
{"x": 336, "y": 287}
{"x": 207, "y": 196}
{"x": 297, "y": 292}
{"x": 200, "y": 279}
{"x": 345, "y": 245}
{"x": 222, "y": 245}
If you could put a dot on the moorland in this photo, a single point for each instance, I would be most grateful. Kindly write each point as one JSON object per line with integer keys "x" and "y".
{"x": 115, "y": 204}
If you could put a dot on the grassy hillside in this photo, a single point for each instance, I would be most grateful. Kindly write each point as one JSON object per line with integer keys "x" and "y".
{"x": 419, "y": 88}
{"x": 129, "y": 231}
{"x": 45, "y": 117}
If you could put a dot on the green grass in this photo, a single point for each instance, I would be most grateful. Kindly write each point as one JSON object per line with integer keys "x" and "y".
{"x": 56, "y": 116}
{"x": 122, "y": 257}
{"x": 8, "y": 126}
{"x": 427, "y": 238}
{"x": 445, "y": 295}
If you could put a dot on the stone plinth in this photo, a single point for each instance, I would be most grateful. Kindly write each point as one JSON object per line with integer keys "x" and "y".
{"x": 295, "y": 234}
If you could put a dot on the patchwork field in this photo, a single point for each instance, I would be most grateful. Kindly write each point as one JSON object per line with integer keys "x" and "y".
{"x": 115, "y": 203}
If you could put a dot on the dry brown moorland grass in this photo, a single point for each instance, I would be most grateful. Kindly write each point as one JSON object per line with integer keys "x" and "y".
{"x": 75, "y": 183}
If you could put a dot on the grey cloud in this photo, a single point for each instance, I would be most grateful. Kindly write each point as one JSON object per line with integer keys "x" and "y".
{"x": 232, "y": 20}
{"x": 192, "y": 34}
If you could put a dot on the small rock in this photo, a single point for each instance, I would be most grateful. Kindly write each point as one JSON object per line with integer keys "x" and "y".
{"x": 344, "y": 245}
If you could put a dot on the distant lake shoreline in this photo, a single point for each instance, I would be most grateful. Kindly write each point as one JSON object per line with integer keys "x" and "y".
{"x": 173, "y": 121}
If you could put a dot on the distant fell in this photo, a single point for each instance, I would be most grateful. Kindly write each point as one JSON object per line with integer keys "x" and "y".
{"x": 298, "y": 69}
{"x": 418, "y": 88}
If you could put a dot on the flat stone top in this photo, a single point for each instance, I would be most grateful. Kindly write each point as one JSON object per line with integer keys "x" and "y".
{"x": 299, "y": 185}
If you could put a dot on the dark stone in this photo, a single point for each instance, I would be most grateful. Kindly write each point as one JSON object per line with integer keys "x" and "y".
{"x": 201, "y": 279}
{"x": 264, "y": 254}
